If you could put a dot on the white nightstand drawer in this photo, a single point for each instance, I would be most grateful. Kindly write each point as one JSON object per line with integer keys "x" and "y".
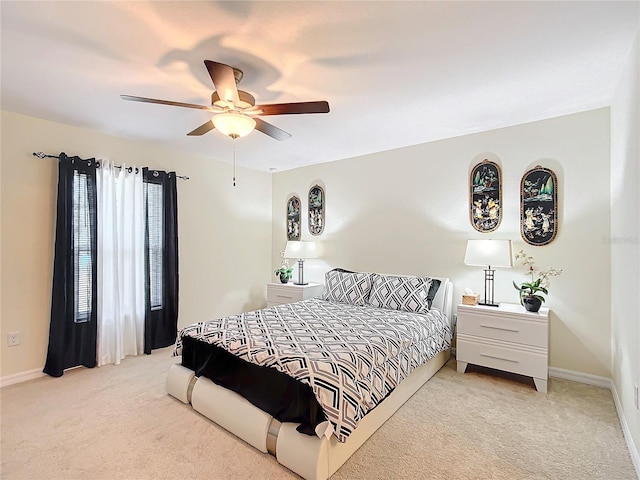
{"x": 279, "y": 293}
{"x": 527, "y": 362}
{"x": 526, "y": 332}
{"x": 283, "y": 294}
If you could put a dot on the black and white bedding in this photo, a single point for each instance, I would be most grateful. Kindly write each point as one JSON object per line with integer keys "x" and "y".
{"x": 352, "y": 356}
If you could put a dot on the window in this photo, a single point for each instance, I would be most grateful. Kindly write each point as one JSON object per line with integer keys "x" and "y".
{"x": 82, "y": 248}
{"x": 155, "y": 224}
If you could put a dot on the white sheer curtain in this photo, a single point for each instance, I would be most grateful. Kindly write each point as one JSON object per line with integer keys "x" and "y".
{"x": 121, "y": 263}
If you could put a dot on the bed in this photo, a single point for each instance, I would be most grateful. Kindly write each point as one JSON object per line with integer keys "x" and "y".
{"x": 310, "y": 382}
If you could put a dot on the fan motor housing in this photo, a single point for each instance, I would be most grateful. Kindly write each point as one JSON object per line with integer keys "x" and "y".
{"x": 246, "y": 100}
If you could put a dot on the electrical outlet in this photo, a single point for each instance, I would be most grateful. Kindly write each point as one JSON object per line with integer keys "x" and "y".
{"x": 635, "y": 395}
{"x": 13, "y": 339}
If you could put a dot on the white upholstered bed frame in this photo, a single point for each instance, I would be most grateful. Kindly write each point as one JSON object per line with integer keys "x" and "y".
{"x": 308, "y": 456}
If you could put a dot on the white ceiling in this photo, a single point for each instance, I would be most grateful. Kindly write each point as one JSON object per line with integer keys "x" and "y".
{"x": 394, "y": 73}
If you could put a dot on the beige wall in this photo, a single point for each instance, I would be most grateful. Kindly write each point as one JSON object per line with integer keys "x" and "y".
{"x": 399, "y": 211}
{"x": 625, "y": 243}
{"x": 224, "y": 232}
{"x": 406, "y": 211}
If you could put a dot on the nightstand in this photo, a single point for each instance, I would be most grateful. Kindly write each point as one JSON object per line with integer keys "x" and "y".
{"x": 279, "y": 293}
{"x": 506, "y": 338}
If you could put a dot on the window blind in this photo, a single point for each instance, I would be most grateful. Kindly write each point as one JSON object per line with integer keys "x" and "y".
{"x": 81, "y": 231}
{"x": 155, "y": 216}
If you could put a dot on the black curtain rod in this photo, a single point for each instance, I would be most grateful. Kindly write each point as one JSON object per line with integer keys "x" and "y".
{"x": 44, "y": 155}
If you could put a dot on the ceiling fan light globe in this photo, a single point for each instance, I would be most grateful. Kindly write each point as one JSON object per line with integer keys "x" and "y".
{"x": 234, "y": 124}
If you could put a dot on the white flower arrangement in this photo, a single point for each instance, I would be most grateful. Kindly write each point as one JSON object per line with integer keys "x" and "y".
{"x": 285, "y": 271}
{"x": 536, "y": 285}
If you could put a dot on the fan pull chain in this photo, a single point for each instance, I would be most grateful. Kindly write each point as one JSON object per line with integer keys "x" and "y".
{"x": 234, "y": 162}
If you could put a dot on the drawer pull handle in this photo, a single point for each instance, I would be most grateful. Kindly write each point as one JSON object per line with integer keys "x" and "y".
{"x": 283, "y": 296}
{"x": 499, "y": 358}
{"x": 500, "y": 328}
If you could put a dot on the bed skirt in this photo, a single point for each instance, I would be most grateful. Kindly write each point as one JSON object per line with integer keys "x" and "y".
{"x": 308, "y": 456}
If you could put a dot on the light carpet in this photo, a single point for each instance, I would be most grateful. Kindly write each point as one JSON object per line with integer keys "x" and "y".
{"x": 117, "y": 422}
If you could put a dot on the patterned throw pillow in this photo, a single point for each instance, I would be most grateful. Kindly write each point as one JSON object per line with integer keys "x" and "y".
{"x": 401, "y": 293}
{"x": 347, "y": 287}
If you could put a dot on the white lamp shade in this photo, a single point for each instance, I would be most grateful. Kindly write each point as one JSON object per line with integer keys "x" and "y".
{"x": 494, "y": 253}
{"x": 299, "y": 249}
{"x": 234, "y": 124}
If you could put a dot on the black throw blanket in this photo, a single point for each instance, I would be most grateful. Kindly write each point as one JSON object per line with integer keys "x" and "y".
{"x": 273, "y": 392}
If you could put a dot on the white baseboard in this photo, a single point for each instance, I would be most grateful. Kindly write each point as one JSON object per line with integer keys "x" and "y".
{"x": 633, "y": 450}
{"x": 580, "y": 377}
{"x": 21, "y": 377}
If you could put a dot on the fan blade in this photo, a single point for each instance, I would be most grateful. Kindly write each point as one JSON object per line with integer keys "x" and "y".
{"x": 202, "y": 129}
{"x": 224, "y": 80}
{"x": 168, "y": 102}
{"x": 293, "y": 108}
{"x": 271, "y": 130}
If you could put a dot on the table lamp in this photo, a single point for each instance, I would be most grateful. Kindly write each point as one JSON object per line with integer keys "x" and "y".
{"x": 489, "y": 253}
{"x": 300, "y": 250}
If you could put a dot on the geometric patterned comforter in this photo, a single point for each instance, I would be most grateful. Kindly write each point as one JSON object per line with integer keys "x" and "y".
{"x": 351, "y": 356}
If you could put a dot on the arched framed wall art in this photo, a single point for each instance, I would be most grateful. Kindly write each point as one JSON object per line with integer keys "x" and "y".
{"x": 293, "y": 218}
{"x": 485, "y": 196}
{"x": 316, "y": 210}
{"x": 539, "y": 206}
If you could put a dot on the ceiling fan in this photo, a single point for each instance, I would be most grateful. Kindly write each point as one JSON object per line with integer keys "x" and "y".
{"x": 235, "y": 111}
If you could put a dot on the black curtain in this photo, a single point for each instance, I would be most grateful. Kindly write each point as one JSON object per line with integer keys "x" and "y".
{"x": 72, "y": 334}
{"x": 161, "y": 324}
